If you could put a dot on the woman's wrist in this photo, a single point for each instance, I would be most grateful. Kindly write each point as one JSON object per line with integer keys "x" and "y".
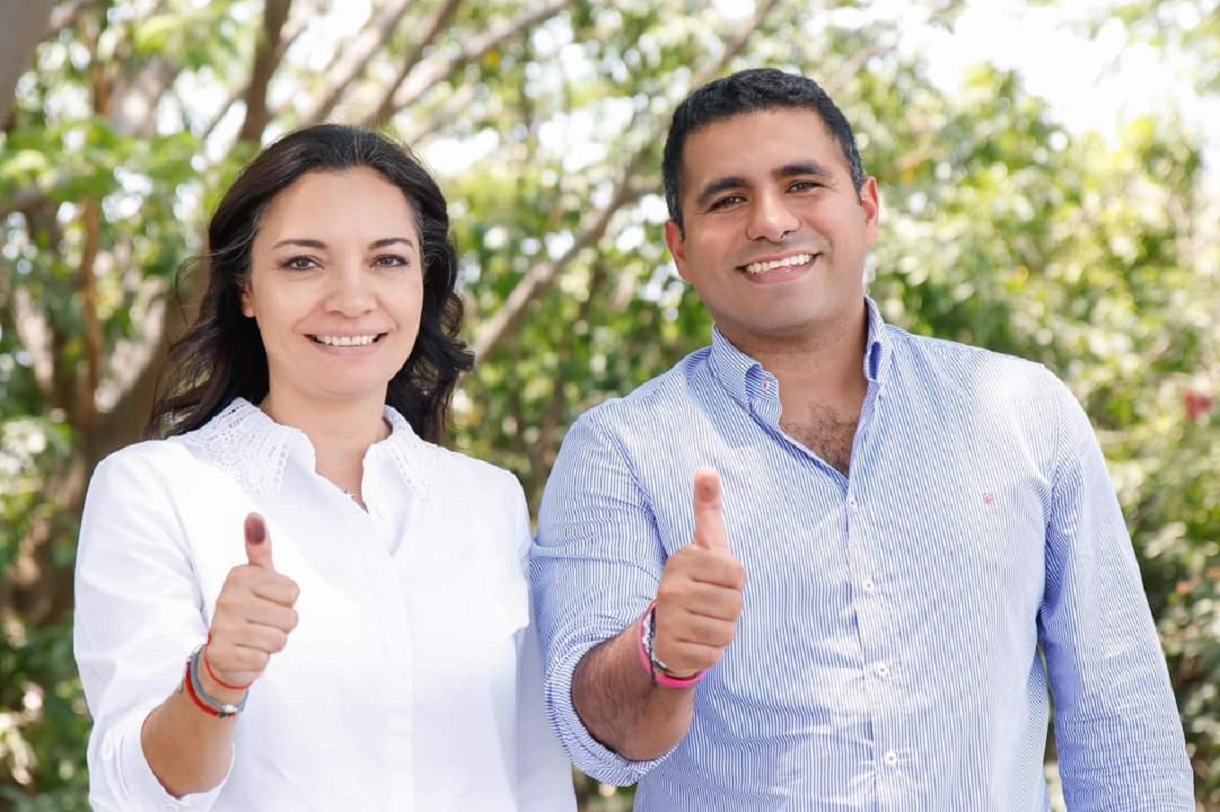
{"x": 206, "y": 693}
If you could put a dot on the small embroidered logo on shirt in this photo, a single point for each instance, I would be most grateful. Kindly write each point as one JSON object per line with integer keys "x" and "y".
{"x": 989, "y": 499}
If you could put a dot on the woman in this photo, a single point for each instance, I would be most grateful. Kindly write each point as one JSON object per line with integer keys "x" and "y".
{"x": 298, "y": 600}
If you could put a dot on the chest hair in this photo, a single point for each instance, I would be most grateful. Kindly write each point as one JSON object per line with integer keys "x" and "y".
{"x": 825, "y": 432}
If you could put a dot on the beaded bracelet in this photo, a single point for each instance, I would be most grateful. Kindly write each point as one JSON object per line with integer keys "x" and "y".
{"x": 202, "y": 699}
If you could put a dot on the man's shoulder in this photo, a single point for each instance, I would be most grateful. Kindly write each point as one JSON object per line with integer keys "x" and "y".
{"x": 958, "y": 359}
{"x": 664, "y": 396}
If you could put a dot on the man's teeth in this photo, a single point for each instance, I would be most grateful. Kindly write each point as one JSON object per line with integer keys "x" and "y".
{"x": 786, "y": 262}
{"x": 345, "y": 341}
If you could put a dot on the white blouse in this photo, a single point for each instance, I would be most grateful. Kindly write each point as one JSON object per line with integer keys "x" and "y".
{"x": 413, "y": 680}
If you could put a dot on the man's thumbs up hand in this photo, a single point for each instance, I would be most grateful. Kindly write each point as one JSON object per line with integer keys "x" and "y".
{"x": 700, "y": 596}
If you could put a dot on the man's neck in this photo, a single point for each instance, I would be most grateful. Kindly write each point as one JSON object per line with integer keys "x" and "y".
{"x": 824, "y": 368}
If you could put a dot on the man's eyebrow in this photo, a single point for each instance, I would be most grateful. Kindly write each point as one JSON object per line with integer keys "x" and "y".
{"x": 716, "y": 187}
{"x": 802, "y": 168}
{"x": 301, "y": 242}
{"x": 792, "y": 170}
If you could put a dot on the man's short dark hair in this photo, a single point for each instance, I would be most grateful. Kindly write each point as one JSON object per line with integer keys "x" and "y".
{"x": 750, "y": 91}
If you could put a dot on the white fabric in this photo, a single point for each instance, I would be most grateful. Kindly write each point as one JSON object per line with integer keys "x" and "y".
{"x": 413, "y": 679}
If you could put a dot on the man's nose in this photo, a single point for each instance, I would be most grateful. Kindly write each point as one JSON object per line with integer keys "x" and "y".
{"x": 771, "y": 219}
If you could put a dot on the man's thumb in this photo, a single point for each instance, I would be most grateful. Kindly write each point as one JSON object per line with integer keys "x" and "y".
{"x": 709, "y": 511}
{"x": 258, "y": 543}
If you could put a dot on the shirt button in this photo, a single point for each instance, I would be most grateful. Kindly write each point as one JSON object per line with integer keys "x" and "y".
{"x": 767, "y": 386}
{"x": 869, "y": 586}
{"x": 883, "y": 670}
{"x": 891, "y": 758}
{"x": 851, "y": 501}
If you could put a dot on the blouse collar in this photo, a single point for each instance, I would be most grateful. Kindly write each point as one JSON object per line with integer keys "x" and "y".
{"x": 245, "y": 441}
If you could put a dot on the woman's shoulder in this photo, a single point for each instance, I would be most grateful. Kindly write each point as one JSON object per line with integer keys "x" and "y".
{"x": 153, "y": 471}
{"x": 469, "y": 472}
{"x": 450, "y": 469}
{"x": 169, "y": 459}
{"x": 150, "y": 457}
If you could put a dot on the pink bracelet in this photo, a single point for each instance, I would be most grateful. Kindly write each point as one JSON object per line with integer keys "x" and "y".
{"x": 659, "y": 677}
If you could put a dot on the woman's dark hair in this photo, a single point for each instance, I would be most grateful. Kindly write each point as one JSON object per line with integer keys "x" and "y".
{"x": 221, "y": 356}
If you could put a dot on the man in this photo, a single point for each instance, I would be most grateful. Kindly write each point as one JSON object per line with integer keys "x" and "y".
{"x": 913, "y": 541}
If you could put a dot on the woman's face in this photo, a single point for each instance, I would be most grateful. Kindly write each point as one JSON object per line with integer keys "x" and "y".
{"x": 336, "y": 287}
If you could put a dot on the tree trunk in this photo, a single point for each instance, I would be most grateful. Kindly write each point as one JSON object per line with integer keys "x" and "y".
{"x": 26, "y": 22}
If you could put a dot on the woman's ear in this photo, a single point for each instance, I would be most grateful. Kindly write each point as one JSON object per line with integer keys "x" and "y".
{"x": 247, "y": 300}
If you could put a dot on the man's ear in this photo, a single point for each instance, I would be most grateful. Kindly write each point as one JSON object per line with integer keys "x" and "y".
{"x": 870, "y": 202}
{"x": 675, "y": 240}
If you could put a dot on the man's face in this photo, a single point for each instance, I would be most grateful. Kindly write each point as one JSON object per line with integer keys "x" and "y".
{"x": 776, "y": 235}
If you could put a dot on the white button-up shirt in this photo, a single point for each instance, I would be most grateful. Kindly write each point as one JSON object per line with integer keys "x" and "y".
{"x": 412, "y": 681}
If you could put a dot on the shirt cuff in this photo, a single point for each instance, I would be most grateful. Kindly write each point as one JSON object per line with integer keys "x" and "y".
{"x": 593, "y": 758}
{"x": 139, "y": 784}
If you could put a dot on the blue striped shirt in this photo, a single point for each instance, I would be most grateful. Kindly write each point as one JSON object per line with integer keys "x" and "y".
{"x": 902, "y": 626}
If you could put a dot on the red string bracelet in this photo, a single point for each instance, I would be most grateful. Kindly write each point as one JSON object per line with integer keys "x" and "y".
{"x": 221, "y": 712}
{"x": 207, "y": 666}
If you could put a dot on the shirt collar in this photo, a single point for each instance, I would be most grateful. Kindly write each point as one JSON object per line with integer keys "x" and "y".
{"x": 245, "y": 441}
{"x": 744, "y": 378}
{"x": 879, "y": 350}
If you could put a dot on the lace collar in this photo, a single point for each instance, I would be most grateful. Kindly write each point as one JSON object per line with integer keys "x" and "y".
{"x": 244, "y": 441}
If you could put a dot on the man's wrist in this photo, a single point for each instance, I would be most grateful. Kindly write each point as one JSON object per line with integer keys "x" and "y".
{"x": 658, "y": 671}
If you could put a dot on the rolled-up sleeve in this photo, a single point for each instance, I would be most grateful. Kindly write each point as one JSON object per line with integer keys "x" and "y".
{"x": 596, "y": 564}
{"x": 1117, "y": 729}
{"x": 138, "y": 615}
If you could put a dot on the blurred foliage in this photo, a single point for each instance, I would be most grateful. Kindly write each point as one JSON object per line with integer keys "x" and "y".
{"x": 1190, "y": 29}
{"x": 544, "y": 121}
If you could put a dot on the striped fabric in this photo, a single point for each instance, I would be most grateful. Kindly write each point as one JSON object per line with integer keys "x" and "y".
{"x": 902, "y": 627}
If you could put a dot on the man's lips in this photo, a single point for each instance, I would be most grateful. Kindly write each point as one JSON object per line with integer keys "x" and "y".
{"x": 770, "y": 265}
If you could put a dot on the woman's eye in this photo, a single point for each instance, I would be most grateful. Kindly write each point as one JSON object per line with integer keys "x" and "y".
{"x": 391, "y": 261}
{"x": 301, "y": 263}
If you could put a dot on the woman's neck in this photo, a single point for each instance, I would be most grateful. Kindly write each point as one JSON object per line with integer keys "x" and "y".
{"x": 340, "y": 431}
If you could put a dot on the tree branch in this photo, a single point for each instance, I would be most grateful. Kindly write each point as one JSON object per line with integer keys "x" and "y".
{"x": 135, "y": 102}
{"x": 737, "y": 46}
{"x": 25, "y": 200}
{"x": 126, "y": 419}
{"x": 24, "y": 27}
{"x": 94, "y": 338}
{"x": 442, "y": 18}
{"x": 457, "y": 104}
{"x": 546, "y": 449}
{"x": 267, "y": 58}
{"x": 400, "y": 94}
{"x": 350, "y": 63}
{"x": 292, "y": 31}
{"x": 507, "y": 320}
{"x": 64, "y": 17}
{"x": 34, "y": 333}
